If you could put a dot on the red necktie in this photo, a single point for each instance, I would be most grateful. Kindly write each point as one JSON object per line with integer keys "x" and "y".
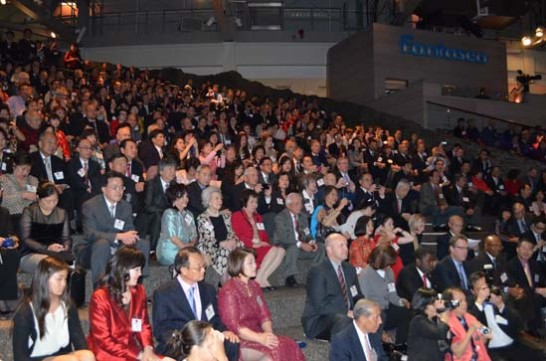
{"x": 425, "y": 280}
{"x": 343, "y": 285}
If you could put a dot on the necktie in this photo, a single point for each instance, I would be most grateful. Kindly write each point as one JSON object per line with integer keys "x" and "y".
{"x": 160, "y": 153}
{"x": 425, "y": 283}
{"x": 343, "y": 285}
{"x": 191, "y": 300}
{"x": 462, "y": 276}
{"x": 128, "y": 171}
{"x": 49, "y": 169}
{"x": 399, "y": 204}
{"x": 86, "y": 172}
{"x": 370, "y": 352}
{"x": 528, "y": 274}
{"x": 113, "y": 211}
{"x": 296, "y": 228}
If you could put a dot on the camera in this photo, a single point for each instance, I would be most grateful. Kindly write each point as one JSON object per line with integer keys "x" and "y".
{"x": 266, "y": 186}
{"x": 449, "y": 304}
{"x": 8, "y": 242}
{"x": 485, "y": 330}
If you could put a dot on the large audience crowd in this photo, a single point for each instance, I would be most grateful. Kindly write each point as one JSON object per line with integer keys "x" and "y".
{"x": 226, "y": 188}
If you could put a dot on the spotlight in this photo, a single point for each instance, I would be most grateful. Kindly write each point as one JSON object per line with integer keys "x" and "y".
{"x": 3, "y": 2}
{"x": 539, "y": 32}
{"x": 53, "y": 35}
{"x": 526, "y": 41}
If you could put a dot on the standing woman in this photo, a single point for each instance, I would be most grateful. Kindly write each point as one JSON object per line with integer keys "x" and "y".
{"x": 249, "y": 228}
{"x": 119, "y": 329}
{"x": 243, "y": 310}
{"x": 177, "y": 225}
{"x": 45, "y": 230}
{"x": 46, "y": 326}
{"x": 216, "y": 236}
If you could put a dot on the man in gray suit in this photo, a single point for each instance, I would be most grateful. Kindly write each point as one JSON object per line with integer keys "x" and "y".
{"x": 108, "y": 224}
{"x": 292, "y": 233}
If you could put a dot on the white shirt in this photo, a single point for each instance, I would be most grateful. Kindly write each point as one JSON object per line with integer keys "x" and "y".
{"x": 109, "y": 205}
{"x": 421, "y": 276}
{"x": 52, "y": 341}
{"x": 164, "y": 184}
{"x": 365, "y": 343}
{"x": 196, "y": 296}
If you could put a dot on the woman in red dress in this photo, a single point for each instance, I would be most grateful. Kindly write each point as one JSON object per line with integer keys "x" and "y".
{"x": 243, "y": 310}
{"x": 363, "y": 245}
{"x": 249, "y": 228}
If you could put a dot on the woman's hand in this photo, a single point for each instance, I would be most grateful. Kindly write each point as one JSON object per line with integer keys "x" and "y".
{"x": 55, "y": 247}
{"x": 216, "y": 347}
{"x": 260, "y": 244}
{"x": 229, "y": 244}
{"x": 269, "y": 340}
{"x": 29, "y": 196}
{"x": 149, "y": 355}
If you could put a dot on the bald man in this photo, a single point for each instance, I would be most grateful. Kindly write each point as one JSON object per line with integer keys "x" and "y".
{"x": 332, "y": 291}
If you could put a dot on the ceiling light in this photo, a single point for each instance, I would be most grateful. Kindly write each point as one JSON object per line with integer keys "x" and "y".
{"x": 53, "y": 35}
{"x": 526, "y": 41}
{"x": 3, "y": 2}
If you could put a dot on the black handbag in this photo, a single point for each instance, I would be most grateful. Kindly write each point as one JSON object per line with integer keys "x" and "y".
{"x": 76, "y": 286}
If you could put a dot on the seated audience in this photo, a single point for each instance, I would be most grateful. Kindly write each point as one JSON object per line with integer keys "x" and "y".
{"x": 417, "y": 275}
{"x": 216, "y": 237}
{"x": 119, "y": 328}
{"x": 387, "y": 234}
{"x": 360, "y": 340}
{"x": 178, "y": 228}
{"x": 328, "y": 216}
{"x": 491, "y": 261}
{"x": 45, "y": 230}
{"x": 197, "y": 341}
{"x": 332, "y": 291}
{"x": 202, "y": 181}
{"x": 432, "y": 202}
{"x": 455, "y": 228}
{"x": 378, "y": 284}
{"x": 243, "y": 309}
{"x": 249, "y": 228}
{"x": 428, "y": 330}
{"x": 46, "y": 326}
{"x": 199, "y": 303}
{"x": 538, "y": 207}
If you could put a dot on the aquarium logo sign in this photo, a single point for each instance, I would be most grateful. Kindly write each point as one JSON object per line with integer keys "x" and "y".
{"x": 411, "y": 47}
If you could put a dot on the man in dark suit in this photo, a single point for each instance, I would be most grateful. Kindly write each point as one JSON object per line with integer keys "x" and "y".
{"x": 108, "y": 223}
{"x": 203, "y": 175}
{"x": 332, "y": 291}
{"x": 525, "y": 273}
{"x": 266, "y": 175}
{"x": 538, "y": 236}
{"x": 92, "y": 121}
{"x": 414, "y": 276}
{"x": 83, "y": 174}
{"x": 432, "y": 202}
{"x": 118, "y": 163}
{"x": 367, "y": 193}
{"x": 491, "y": 261}
{"x": 233, "y": 201}
{"x": 452, "y": 270}
{"x": 517, "y": 227}
{"x": 47, "y": 167}
{"x": 360, "y": 341}
{"x": 293, "y": 234}
{"x": 397, "y": 206}
{"x": 455, "y": 228}
{"x": 459, "y": 195}
{"x": 155, "y": 199}
{"x": 151, "y": 151}
{"x": 173, "y": 306}
{"x": 123, "y": 131}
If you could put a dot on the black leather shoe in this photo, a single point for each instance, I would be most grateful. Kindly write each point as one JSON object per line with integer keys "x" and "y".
{"x": 291, "y": 282}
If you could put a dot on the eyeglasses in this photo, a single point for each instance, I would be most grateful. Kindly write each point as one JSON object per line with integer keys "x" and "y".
{"x": 459, "y": 247}
{"x": 197, "y": 268}
{"x": 117, "y": 188}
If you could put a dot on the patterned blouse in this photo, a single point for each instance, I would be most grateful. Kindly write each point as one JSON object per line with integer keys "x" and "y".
{"x": 13, "y": 193}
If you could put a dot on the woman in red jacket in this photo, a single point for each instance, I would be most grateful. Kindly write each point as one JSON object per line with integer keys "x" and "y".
{"x": 119, "y": 327}
{"x": 249, "y": 227}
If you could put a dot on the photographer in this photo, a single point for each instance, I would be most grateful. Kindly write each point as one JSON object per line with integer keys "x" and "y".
{"x": 428, "y": 328}
{"x": 502, "y": 320}
{"x": 469, "y": 335}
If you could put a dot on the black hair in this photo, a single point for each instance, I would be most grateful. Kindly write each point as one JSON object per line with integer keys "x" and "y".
{"x": 46, "y": 189}
{"x": 117, "y": 270}
{"x": 175, "y": 191}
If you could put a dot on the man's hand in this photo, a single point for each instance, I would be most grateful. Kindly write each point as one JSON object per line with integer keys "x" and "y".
{"x": 139, "y": 187}
{"x": 128, "y": 238}
{"x": 306, "y": 247}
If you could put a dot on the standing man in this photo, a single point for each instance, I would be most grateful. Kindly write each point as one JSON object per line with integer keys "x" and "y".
{"x": 332, "y": 291}
{"x": 188, "y": 298}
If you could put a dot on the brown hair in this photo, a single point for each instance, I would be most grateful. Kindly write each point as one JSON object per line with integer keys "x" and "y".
{"x": 382, "y": 256}
{"x": 236, "y": 261}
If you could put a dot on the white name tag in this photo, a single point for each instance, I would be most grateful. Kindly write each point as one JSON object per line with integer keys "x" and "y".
{"x": 81, "y": 172}
{"x": 487, "y": 266}
{"x": 465, "y": 199}
{"x": 395, "y": 246}
{"x": 391, "y": 287}
{"x": 135, "y": 178}
{"x": 227, "y": 142}
{"x": 354, "y": 292}
{"x": 59, "y": 175}
{"x": 306, "y": 231}
{"x": 320, "y": 182}
{"x": 128, "y": 197}
{"x": 309, "y": 207}
{"x": 470, "y": 184}
{"x": 503, "y": 277}
{"x": 280, "y": 201}
{"x": 501, "y": 187}
{"x": 209, "y": 312}
{"x": 537, "y": 278}
{"x": 136, "y": 325}
{"x": 389, "y": 161}
{"x": 501, "y": 320}
{"x": 30, "y": 188}
{"x": 4, "y": 167}
{"x": 260, "y": 226}
{"x": 441, "y": 196}
{"x": 189, "y": 219}
{"x": 119, "y": 224}
{"x": 209, "y": 227}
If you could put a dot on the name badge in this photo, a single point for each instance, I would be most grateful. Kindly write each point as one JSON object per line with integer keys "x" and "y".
{"x": 135, "y": 178}
{"x": 501, "y": 187}
{"x": 260, "y": 226}
{"x": 470, "y": 184}
{"x": 189, "y": 219}
{"x": 503, "y": 277}
{"x": 128, "y": 197}
{"x": 4, "y": 167}
{"x": 209, "y": 312}
{"x": 465, "y": 199}
{"x": 227, "y": 142}
{"x": 354, "y": 292}
{"x": 81, "y": 172}
{"x": 380, "y": 159}
{"x": 309, "y": 207}
{"x": 320, "y": 182}
{"x": 209, "y": 227}
{"x": 391, "y": 287}
{"x": 30, "y": 188}
{"x": 280, "y": 201}
{"x": 487, "y": 266}
{"x": 395, "y": 246}
{"x": 136, "y": 325}
{"x": 537, "y": 278}
{"x": 306, "y": 231}
{"x": 59, "y": 175}
{"x": 118, "y": 224}
{"x": 441, "y": 196}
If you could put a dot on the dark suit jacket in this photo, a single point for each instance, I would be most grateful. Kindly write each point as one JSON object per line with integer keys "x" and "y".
{"x": 284, "y": 229}
{"x": 172, "y": 311}
{"x": 409, "y": 281}
{"x": 389, "y": 206}
{"x": 447, "y": 276}
{"x": 508, "y": 313}
{"x": 324, "y": 295}
{"x": 99, "y": 224}
{"x": 516, "y": 275}
{"x": 363, "y": 199}
{"x": 483, "y": 263}
{"x": 155, "y": 200}
{"x": 195, "y": 205}
{"x": 76, "y": 181}
{"x": 148, "y": 154}
{"x": 345, "y": 346}
{"x": 38, "y": 169}
{"x": 442, "y": 245}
